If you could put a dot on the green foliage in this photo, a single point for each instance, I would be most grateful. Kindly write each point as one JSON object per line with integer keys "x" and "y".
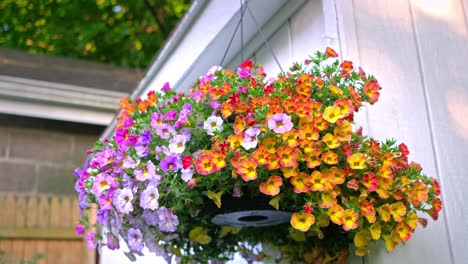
{"x": 121, "y": 32}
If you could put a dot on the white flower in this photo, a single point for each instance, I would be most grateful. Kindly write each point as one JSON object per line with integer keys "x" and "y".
{"x": 212, "y": 124}
{"x": 177, "y": 144}
{"x": 250, "y": 139}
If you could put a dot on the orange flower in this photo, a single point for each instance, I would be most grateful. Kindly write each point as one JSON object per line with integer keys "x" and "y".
{"x": 357, "y": 161}
{"x": 247, "y": 169}
{"x": 218, "y": 159}
{"x": 332, "y": 114}
{"x": 345, "y": 105}
{"x": 371, "y": 89}
{"x": 330, "y": 53}
{"x": 239, "y": 125}
{"x": 289, "y": 171}
{"x": 331, "y": 141}
{"x": 272, "y": 186}
{"x": 328, "y": 200}
{"x": 320, "y": 123}
{"x": 330, "y": 157}
{"x": 288, "y": 156}
{"x": 370, "y": 182}
{"x": 273, "y": 162}
{"x": 226, "y": 109}
{"x": 313, "y": 158}
{"x": 350, "y": 219}
{"x": 436, "y": 207}
{"x": 302, "y": 221}
{"x": 384, "y": 212}
{"x": 335, "y": 91}
{"x": 343, "y": 131}
{"x": 335, "y": 175}
{"x": 317, "y": 182}
{"x": 336, "y": 213}
{"x": 412, "y": 220}
{"x": 419, "y": 193}
{"x": 205, "y": 165}
{"x": 367, "y": 208}
{"x": 235, "y": 141}
{"x": 308, "y": 132}
{"x": 300, "y": 182}
{"x": 260, "y": 156}
{"x": 398, "y": 211}
{"x": 269, "y": 145}
{"x": 346, "y": 66}
{"x": 291, "y": 138}
{"x": 403, "y": 231}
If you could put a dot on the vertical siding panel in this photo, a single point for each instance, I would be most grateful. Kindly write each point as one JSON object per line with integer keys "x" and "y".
{"x": 387, "y": 50}
{"x": 280, "y": 44}
{"x": 307, "y": 30}
{"x": 443, "y": 63}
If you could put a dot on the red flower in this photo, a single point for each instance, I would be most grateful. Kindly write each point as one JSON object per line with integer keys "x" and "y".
{"x": 187, "y": 161}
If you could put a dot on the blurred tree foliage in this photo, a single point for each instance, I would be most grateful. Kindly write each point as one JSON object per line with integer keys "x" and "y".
{"x": 122, "y": 32}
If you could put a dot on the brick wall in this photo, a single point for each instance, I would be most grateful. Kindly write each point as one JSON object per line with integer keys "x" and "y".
{"x": 39, "y": 156}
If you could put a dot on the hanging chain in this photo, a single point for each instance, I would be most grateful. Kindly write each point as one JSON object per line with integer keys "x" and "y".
{"x": 244, "y": 6}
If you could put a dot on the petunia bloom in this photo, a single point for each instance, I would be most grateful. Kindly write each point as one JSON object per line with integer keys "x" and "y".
{"x": 280, "y": 123}
{"x": 213, "y": 124}
{"x": 250, "y": 138}
{"x": 149, "y": 198}
{"x": 135, "y": 239}
{"x": 168, "y": 221}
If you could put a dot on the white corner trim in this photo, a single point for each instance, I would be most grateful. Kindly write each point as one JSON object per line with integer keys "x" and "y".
{"x": 49, "y": 100}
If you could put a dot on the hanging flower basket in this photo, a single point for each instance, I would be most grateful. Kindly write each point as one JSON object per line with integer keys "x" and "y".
{"x": 271, "y": 169}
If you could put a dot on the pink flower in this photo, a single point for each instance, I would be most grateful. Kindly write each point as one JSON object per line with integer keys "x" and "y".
{"x": 280, "y": 123}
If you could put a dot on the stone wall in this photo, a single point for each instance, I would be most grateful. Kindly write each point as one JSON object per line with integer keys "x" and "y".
{"x": 39, "y": 156}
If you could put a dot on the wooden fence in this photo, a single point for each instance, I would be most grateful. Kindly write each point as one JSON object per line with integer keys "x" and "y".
{"x": 41, "y": 225}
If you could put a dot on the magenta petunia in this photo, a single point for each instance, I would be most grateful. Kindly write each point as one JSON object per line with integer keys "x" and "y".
{"x": 103, "y": 182}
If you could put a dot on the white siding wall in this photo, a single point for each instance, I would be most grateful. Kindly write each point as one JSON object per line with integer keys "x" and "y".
{"x": 418, "y": 50}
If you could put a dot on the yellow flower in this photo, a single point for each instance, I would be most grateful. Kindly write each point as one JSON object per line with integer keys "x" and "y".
{"x": 331, "y": 141}
{"x": 302, "y": 221}
{"x": 350, "y": 219}
{"x": 226, "y": 230}
{"x": 375, "y": 230}
{"x": 215, "y": 197}
{"x": 412, "y": 220}
{"x": 362, "y": 238}
{"x": 390, "y": 242}
{"x": 336, "y": 213}
{"x": 199, "y": 235}
{"x": 332, "y": 114}
{"x": 275, "y": 202}
{"x": 398, "y": 210}
{"x": 384, "y": 212}
{"x": 362, "y": 251}
{"x": 357, "y": 161}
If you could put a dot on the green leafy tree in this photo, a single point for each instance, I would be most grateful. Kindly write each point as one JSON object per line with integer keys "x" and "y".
{"x": 122, "y": 32}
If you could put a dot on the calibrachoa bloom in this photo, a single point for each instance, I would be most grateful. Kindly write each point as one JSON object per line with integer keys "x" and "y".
{"x": 286, "y": 143}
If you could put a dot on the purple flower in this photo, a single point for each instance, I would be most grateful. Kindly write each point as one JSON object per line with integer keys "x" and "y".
{"x": 250, "y": 138}
{"x": 215, "y": 105}
{"x": 105, "y": 157}
{"x": 149, "y": 173}
{"x": 171, "y": 115}
{"x": 242, "y": 89}
{"x": 79, "y": 229}
{"x": 243, "y": 72}
{"x": 124, "y": 139}
{"x": 149, "y": 198}
{"x": 103, "y": 182}
{"x": 129, "y": 163}
{"x": 151, "y": 217}
{"x": 185, "y": 131}
{"x": 123, "y": 200}
{"x": 105, "y": 201}
{"x": 177, "y": 144}
{"x": 128, "y": 122}
{"x": 142, "y": 150}
{"x": 170, "y": 163}
{"x": 156, "y": 120}
{"x": 280, "y": 123}
{"x": 197, "y": 96}
{"x": 135, "y": 239}
{"x": 112, "y": 242}
{"x": 102, "y": 216}
{"x": 145, "y": 137}
{"x": 91, "y": 240}
{"x": 166, "y": 87}
{"x": 168, "y": 221}
{"x": 164, "y": 131}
